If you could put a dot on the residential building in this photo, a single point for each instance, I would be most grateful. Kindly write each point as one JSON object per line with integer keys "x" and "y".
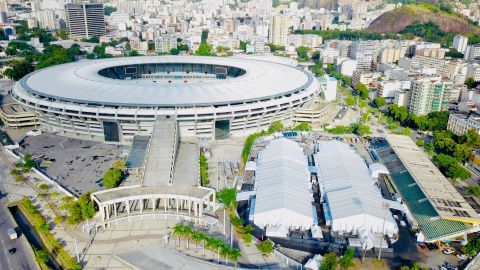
{"x": 461, "y": 123}
{"x": 164, "y": 44}
{"x": 460, "y": 43}
{"x": 364, "y": 52}
{"x": 472, "y": 52}
{"x": 85, "y": 20}
{"x": 279, "y": 29}
{"x": 429, "y": 93}
{"x": 391, "y": 55}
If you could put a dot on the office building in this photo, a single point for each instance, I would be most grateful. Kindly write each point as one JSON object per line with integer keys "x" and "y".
{"x": 85, "y": 20}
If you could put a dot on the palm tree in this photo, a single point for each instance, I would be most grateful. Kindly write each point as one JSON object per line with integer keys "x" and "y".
{"x": 234, "y": 255}
{"x": 187, "y": 233}
{"x": 178, "y": 231}
{"x": 211, "y": 244}
{"x": 204, "y": 239}
{"x": 225, "y": 252}
{"x": 196, "y": 237}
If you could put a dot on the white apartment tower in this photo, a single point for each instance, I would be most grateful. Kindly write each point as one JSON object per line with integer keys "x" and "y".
{"x": 85, "y": 20}
{"x": 460, "y": 43}
{"x": 164, "y": 44}
{"x": 279, "y": 28}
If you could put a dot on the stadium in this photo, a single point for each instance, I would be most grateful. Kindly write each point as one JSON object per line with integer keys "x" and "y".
{"x": 210, "y": 97}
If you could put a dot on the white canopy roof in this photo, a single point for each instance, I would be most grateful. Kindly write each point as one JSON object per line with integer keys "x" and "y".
{"x": 376, "y": 169}
{"x": 284, "y": 195}
{"x": 352, "y": 198}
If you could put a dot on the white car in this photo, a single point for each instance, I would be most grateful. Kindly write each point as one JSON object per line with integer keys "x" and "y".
{"x": 448, "y": 251}
{"x": 462, "y": 256}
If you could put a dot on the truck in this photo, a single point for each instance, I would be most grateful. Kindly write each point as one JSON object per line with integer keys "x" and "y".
{"x": 12, "y": 233}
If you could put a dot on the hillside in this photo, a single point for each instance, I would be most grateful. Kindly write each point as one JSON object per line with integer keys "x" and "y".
{"x": 399, "y": 18}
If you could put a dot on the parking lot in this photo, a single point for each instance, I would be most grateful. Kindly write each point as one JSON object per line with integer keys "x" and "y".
{"x": 76, "y": 164}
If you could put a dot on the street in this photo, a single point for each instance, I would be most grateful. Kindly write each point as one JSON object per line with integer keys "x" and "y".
{"x": 23, "y": 257}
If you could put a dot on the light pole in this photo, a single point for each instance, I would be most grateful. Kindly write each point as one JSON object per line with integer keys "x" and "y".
{"x": 385, "y": 207}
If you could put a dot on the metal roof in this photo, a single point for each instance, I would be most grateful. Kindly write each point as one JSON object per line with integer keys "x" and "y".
{"x": 448, "y": 202}
{"x": 81, "y": 82}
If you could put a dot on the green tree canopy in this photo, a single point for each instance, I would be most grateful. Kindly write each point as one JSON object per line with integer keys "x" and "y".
{"x": 329, "y": 262}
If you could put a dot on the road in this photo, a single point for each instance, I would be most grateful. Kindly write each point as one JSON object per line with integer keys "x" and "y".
{"x": 23, "y": 257}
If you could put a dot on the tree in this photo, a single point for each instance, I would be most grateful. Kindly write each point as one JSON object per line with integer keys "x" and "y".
{"x": 473, "y": 190}
{"x": 362, "y": 90}
{"x": 329, "y": 262}
{"x": 266, "y": 247}
{"x": 174, "y": 51}
{"x": 472, "y": 247}
{"x": 119, "y": 164}
{"x": 450, "y": 167}
{"x": 18, "y": 70}
{"x": 346, "y": 261}
{"x": 133, "y": 53}
{"x": 204, "y": 49}
{"x": 380, "y": 102}
{"x": 87, "y": 206}
{"x": 470, "y": 82}
{"x": 303, "y": 127}
{"x": 228, "y": 196}
{"x": 276, "y": 126}
{"x": 112, "y": 178}
{"x": 62, "y": 34}
{"x": 43, "y": 187}
{"x": 302, "y": 53}
{"x": 41, "y": 256}
{"x": 20, "y": 178}
{"x": 462, "y": 152}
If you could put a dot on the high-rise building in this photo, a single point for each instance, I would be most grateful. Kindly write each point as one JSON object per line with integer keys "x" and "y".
{"x": 365, "y": 52}
{"x": 460, "y": 43}
{"x": 278, "y": 32}
{"x": 472, "y": 52}
{"x": 3, "y": 11}
{"x": 85, "y": 20}
{"x": 164, "y": 44}
{"x": 429, "y": 94}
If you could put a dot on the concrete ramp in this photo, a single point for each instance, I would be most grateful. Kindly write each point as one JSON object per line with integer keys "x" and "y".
{"x": 162, "y": 153}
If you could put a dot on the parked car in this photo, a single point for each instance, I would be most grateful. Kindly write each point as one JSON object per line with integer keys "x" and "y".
{"x": 12, "y": 250}
{"x": 448, "y": 251}
{"x": 462, "y": 256}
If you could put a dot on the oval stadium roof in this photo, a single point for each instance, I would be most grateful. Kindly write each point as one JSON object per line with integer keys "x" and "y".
{"x": 81, "y": 82}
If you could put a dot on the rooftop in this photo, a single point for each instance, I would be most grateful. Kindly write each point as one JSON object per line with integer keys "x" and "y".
{"x": 447, "y": 201}
{"x": 110, "y": 195}
{"x": 81, "y": 82}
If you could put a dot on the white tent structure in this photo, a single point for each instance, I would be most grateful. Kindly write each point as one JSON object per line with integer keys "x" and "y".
{"x": 354, "y": 203}
{"x": 376, "y": 169}
{"x": 283, "y": 189}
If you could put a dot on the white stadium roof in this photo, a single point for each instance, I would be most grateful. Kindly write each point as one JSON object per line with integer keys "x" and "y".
{"x": 284, "y": 195}
{"x": 353, "y": 200}
{"x": 81, "y": 82}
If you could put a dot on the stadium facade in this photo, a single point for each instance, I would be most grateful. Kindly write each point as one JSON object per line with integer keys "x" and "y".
{"x": 213, "y": 97}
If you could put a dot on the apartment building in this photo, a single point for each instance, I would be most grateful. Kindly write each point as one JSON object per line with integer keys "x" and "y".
{"x": 85, "y": 20}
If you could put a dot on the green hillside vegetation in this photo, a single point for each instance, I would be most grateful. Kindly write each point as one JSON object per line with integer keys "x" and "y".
{"x": 432, "y": 22}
